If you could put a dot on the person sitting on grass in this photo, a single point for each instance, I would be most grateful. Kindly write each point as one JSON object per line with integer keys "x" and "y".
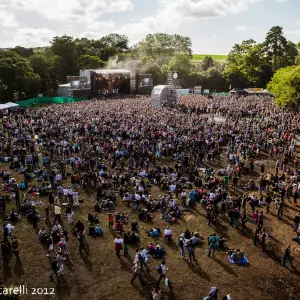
{"x": 134, "y": 226}
{"x": 92, "y": 218}
{"x": 154, "y": 232}
{"x": 95, "y": 230}
{"x": 159, "y": 251}
{"x": 236, "y": 255}
{"x": 43, "y": 236}
{"x": 13, "y": 216}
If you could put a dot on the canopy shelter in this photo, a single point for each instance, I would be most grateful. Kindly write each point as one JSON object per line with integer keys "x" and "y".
{"x": 8, "y": 105}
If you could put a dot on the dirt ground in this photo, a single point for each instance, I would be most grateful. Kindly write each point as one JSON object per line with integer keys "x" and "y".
{"x": 104, "y": 276}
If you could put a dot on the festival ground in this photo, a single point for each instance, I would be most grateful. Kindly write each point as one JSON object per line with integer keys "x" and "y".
{"x": 104, "y": 276}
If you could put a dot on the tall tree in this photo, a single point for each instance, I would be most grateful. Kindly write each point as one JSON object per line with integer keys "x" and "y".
{"x": 65, "y": 47}
{"x": 48, "y": 67}
{"x": 16, "y": 76}
{"x": 180, "y": 63}
{"x": 161, "y": 47}
{"x": 243, "y": 67}
{"x": 207, "y": 63}
{"x": 276, "y": 46}
{"x": 25, "y": 52}
{"x": 285, "y": 86}
{"x": 86, "y": 61}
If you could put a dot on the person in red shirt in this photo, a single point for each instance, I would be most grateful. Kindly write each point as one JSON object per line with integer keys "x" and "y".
{"x": 110, "y": 221}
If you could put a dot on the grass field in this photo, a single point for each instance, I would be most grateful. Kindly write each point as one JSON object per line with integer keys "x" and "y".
{"x": 104, "y": 276}
{"x": 216, "y": 57}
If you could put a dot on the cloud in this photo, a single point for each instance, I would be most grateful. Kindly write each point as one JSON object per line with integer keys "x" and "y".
{"x": 102, "y": 26}
{"x": 85, "y": 18}
{"x": 294, "y": 32}
{"x": 240, "y": 28}
{"x": 7, "y": 19}
{"x": 67, "y": 11}
{"x": 202, "y": 9}
{"x": 28, "y": 37}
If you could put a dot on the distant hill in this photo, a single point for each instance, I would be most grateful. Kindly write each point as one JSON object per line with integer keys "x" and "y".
{"x": 216, "y": 57}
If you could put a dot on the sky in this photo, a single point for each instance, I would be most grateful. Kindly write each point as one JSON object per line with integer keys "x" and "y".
{"x": 214, "y": 26}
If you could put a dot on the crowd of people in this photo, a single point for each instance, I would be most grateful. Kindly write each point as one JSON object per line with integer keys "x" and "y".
{"x": 124, "y": 149}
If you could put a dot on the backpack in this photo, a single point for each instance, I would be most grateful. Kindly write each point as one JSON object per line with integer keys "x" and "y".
{"x": 15, "y": 244}
{"x": 159, "y": 269}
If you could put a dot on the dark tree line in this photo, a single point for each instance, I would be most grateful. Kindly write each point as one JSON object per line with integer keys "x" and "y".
{"x": 41, "y": 70}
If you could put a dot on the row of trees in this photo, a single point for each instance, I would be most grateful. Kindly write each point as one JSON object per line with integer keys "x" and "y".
{"x": 248, "y": 64}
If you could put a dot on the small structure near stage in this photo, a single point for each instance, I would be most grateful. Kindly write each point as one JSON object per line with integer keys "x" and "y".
{"x": 166, "y": 95}
{"x": 163, "y": 95}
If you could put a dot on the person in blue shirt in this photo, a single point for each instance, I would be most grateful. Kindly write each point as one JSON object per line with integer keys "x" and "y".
{"x": 212, "y": 244}
{"x": 98, "y": 230}
{"x": 192, "y": 197}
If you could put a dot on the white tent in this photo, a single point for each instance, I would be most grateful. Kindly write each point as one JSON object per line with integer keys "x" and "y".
{"x": 8, "y": 105}
{"x": 162, "y": 95}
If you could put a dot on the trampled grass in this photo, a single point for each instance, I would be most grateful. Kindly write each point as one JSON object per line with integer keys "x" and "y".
{"x": 216, "y": 57}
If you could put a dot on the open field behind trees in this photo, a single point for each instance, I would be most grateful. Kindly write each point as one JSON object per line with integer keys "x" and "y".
{"x": 215, "y": 57}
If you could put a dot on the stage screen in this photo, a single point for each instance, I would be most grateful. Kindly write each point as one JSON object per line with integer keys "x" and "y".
{"x": 77, "y": 85}
{"x": 146, "y": 82}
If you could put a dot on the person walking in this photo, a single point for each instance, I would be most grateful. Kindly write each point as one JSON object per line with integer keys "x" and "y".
{"x": 4, "y": 253}
{"x": 244, "y": 220}
{"x": 47, "y": 221}
{"x": 82, "y": 243}
{"x": 261, "y": 219}
{"x": 126, "y": 239}
{"x": 191, "y": 251}
{"x": 54, "y": 267}
{"x": 118, "y": 245}
{"x": 15, "y": 247}
{"x": 295, "y": 196}
{"x": 137, "y": 272}
{"x": 296, "y": 221}
{"x": 256, "y": 235}
{"x": 181, "y": 247}
{"x": 287, "y": 256}
{"x": 268, "y": 201}
{"x": 212, "y": 244}
{"x": 110, "y": 221}
{"x": 57, "y": 212}
{"x": 69, "y": 214}
{"x": 162, "y": 272}
{"x": 143, "y": 258}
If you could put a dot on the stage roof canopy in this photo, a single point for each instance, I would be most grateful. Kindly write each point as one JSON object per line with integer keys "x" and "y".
{"x": 65, "y": 85}
{"x": 112, "y": 71}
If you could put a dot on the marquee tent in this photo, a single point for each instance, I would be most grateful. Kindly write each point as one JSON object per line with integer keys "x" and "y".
{"x": 8, "y": 105}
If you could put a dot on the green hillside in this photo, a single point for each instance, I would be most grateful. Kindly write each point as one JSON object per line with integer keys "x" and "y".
{"x": 216, "y": 57}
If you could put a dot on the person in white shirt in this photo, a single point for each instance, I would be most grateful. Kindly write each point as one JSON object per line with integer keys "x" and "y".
{"x": 10, "y": 228}
{"x": 56, "y": 228}
{"x": 168, "y": 233}
{"x": 143, "y": 258}
{"x": 118, "y": 245}
{"x": 57, "y": 212}
{"x": 58, "y": 179}
{"x": 172, "y": 187}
